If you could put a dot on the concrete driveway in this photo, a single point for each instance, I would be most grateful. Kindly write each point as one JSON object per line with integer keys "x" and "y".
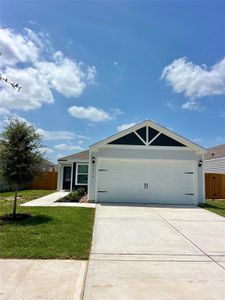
{"x": 156, "y": 252}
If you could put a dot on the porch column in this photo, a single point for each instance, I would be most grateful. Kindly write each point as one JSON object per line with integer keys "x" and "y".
{"x": 71, "y": 178}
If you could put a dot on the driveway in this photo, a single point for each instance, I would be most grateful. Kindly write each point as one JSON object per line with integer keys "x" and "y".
{"x": 156, "y": 252}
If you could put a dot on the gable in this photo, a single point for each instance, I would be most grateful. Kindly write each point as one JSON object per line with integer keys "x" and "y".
{"x": 164, "y": 140}
{"x": 150, "y": 134}
{"x": 129, "y": 139}
{"x": 146, "y": 136}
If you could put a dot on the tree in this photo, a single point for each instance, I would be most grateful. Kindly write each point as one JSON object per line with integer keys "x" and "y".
{"x": 15, "y": 85}
{"x": 20, "y": 156}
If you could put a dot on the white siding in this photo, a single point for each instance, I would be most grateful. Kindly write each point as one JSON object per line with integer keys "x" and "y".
{"x": 147, "y": 181}
{"x": 143, "y": 154}
{"x": 216, "y": 165}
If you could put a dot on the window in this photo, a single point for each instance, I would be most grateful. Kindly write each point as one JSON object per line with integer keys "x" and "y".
{"x": 82, "y": 174}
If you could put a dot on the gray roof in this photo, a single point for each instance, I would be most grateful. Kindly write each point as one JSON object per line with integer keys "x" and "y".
{"x": 47, "y": 162}
{"x": 215, "y": 152}
{"x": 84, "y": 155}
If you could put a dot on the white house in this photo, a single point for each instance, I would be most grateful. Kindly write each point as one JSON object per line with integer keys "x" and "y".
{"x": 146, "y": 163}
{"x": 215, "y": 160}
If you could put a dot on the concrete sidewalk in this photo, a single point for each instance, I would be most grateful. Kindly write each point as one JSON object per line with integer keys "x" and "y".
{"x": 50, "y": 199}
{"x": 30, "y": 279}
{"x": 156, "y": 252}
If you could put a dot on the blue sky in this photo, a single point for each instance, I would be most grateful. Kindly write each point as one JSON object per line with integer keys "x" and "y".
{"x": 89, "y": 69}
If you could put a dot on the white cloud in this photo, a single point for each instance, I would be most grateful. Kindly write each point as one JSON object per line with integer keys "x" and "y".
{"x": 4, "y": 111}
{"x": 35, "y": 90}
{"x": 38, "y": 76}
{"x": 16, "y": 48}
{"x": 90, "y": 113}
{"x": 125, "y": 126}
{"x": 59, "y": 135}
{"x": 91, "y": 74}
{"x": 66, "y": 147}
{"x": 32, "y": 22}
{"x": 195, "y": 81}
{"x": 66, "y": 76}
{"x": 46, "y": 150}
{"x": 192, "y": 105}
{"x": 171, "y": 105}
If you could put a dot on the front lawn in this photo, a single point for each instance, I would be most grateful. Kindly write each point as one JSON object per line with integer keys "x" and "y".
{"x": 50, "y": 232}
{"x": 26, "y": 195}
{"x": 216, "y": 206}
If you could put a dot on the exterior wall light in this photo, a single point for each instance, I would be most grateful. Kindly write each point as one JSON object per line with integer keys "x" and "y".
{"x": 200, "y": 163}
{"x": 93, "y": 160}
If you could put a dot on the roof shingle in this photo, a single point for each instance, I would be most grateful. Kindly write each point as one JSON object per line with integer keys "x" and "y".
{"x": 84, "y": 155}
{"x": 215, "y": 152}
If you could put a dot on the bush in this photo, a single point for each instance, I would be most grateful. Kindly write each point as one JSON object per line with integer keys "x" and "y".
{"x": 81, "y": 192}
{"x": 74, "y": 196}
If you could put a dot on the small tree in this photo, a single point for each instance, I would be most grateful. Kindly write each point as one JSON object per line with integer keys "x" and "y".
{"x": 20, "y": 157}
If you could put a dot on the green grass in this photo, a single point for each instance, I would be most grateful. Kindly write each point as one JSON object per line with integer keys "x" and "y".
{"x": 27, "y": 195}
{"x": 50, "y": 232}
{"x": 216, "y": 206}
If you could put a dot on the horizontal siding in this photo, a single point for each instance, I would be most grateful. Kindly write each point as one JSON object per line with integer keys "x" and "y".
{"x": 146, "y": 153}
{"x": 216, "y": 165}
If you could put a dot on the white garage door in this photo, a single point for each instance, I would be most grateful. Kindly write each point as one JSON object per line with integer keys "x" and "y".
{"x": 165, "y": 182}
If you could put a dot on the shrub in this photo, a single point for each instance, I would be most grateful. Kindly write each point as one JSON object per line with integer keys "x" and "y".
{"x": 81, "y": 191}
{"x": 74, "y": 196}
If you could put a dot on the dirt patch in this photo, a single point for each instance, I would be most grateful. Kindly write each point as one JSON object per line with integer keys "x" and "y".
{"x": 84, "y": 199}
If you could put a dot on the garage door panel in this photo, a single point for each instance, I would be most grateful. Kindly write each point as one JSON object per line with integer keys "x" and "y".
{"x": 150, "y": 181}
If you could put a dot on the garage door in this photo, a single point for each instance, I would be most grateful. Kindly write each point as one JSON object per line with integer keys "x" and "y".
{"x": 151, "y": 181}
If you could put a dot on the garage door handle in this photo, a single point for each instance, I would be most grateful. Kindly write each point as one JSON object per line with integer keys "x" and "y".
{"x": 102, "y": 191}
{"x": 189, "y": 194}
{"x": 102, "y": 170}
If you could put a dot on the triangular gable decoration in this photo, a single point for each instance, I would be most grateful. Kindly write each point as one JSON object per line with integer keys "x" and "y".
{"x": 142, "y": 133}
{"x": 164, "y": 140}
{"x": 151, "y": 133}
{"x": 129, "y": 139}
{"x": 146, "y": 136}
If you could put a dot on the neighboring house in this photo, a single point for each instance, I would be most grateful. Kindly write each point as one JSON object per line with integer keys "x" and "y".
{"x": 215, "y": 160}
{"x": 47, "y": 166}
{"x": 146, "y": 163}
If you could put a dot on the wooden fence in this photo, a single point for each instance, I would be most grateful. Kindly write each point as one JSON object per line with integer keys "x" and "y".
{"x": 45, "y": 181}
{"x": 214, "y": 186}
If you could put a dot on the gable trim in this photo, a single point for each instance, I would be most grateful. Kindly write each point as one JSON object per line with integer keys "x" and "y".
{"x": 155, "y": 126}
{"x": 143, "y": 141}
{"x": 155, "y": 137}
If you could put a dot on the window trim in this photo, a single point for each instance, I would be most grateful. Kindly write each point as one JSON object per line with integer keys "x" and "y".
{"x": 76, "y": 181}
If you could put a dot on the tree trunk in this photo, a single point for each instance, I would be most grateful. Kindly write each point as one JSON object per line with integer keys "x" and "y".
{"x": 14, "y": 204}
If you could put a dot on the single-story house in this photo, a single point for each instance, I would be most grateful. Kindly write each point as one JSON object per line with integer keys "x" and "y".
{"x": 47, "y": 166}
{"x": 146, "y": 163}
{"x": 215, "y": 160}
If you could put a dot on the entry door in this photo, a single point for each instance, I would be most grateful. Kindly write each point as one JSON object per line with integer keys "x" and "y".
{"x": 66, "y": 178}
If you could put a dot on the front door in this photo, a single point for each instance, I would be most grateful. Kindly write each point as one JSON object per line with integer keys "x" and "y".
{"x": 66, "y": 178}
